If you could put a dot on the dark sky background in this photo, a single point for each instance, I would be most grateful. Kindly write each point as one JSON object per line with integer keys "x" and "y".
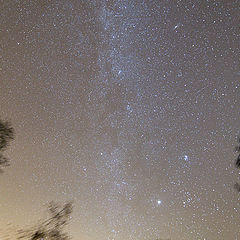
{"x": 128, "y": 108}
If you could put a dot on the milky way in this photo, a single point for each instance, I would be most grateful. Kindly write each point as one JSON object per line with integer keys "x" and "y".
{"x": 128, "y": 108}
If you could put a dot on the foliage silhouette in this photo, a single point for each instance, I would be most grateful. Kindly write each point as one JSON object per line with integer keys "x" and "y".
{"x": 238, "y": 158}
{"x": 52, "y": 228}
{"x": 6, "y": 135}
{"x": 237, "y": 164}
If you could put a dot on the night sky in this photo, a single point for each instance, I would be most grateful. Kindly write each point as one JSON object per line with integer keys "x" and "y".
{"x": 128, "y": 108}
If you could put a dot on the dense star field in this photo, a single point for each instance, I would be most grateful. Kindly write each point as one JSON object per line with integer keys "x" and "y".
{"x": 128, "y": 108}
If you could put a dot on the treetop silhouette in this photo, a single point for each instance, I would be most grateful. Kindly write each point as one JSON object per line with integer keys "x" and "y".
{"x": 6, "y": 135}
